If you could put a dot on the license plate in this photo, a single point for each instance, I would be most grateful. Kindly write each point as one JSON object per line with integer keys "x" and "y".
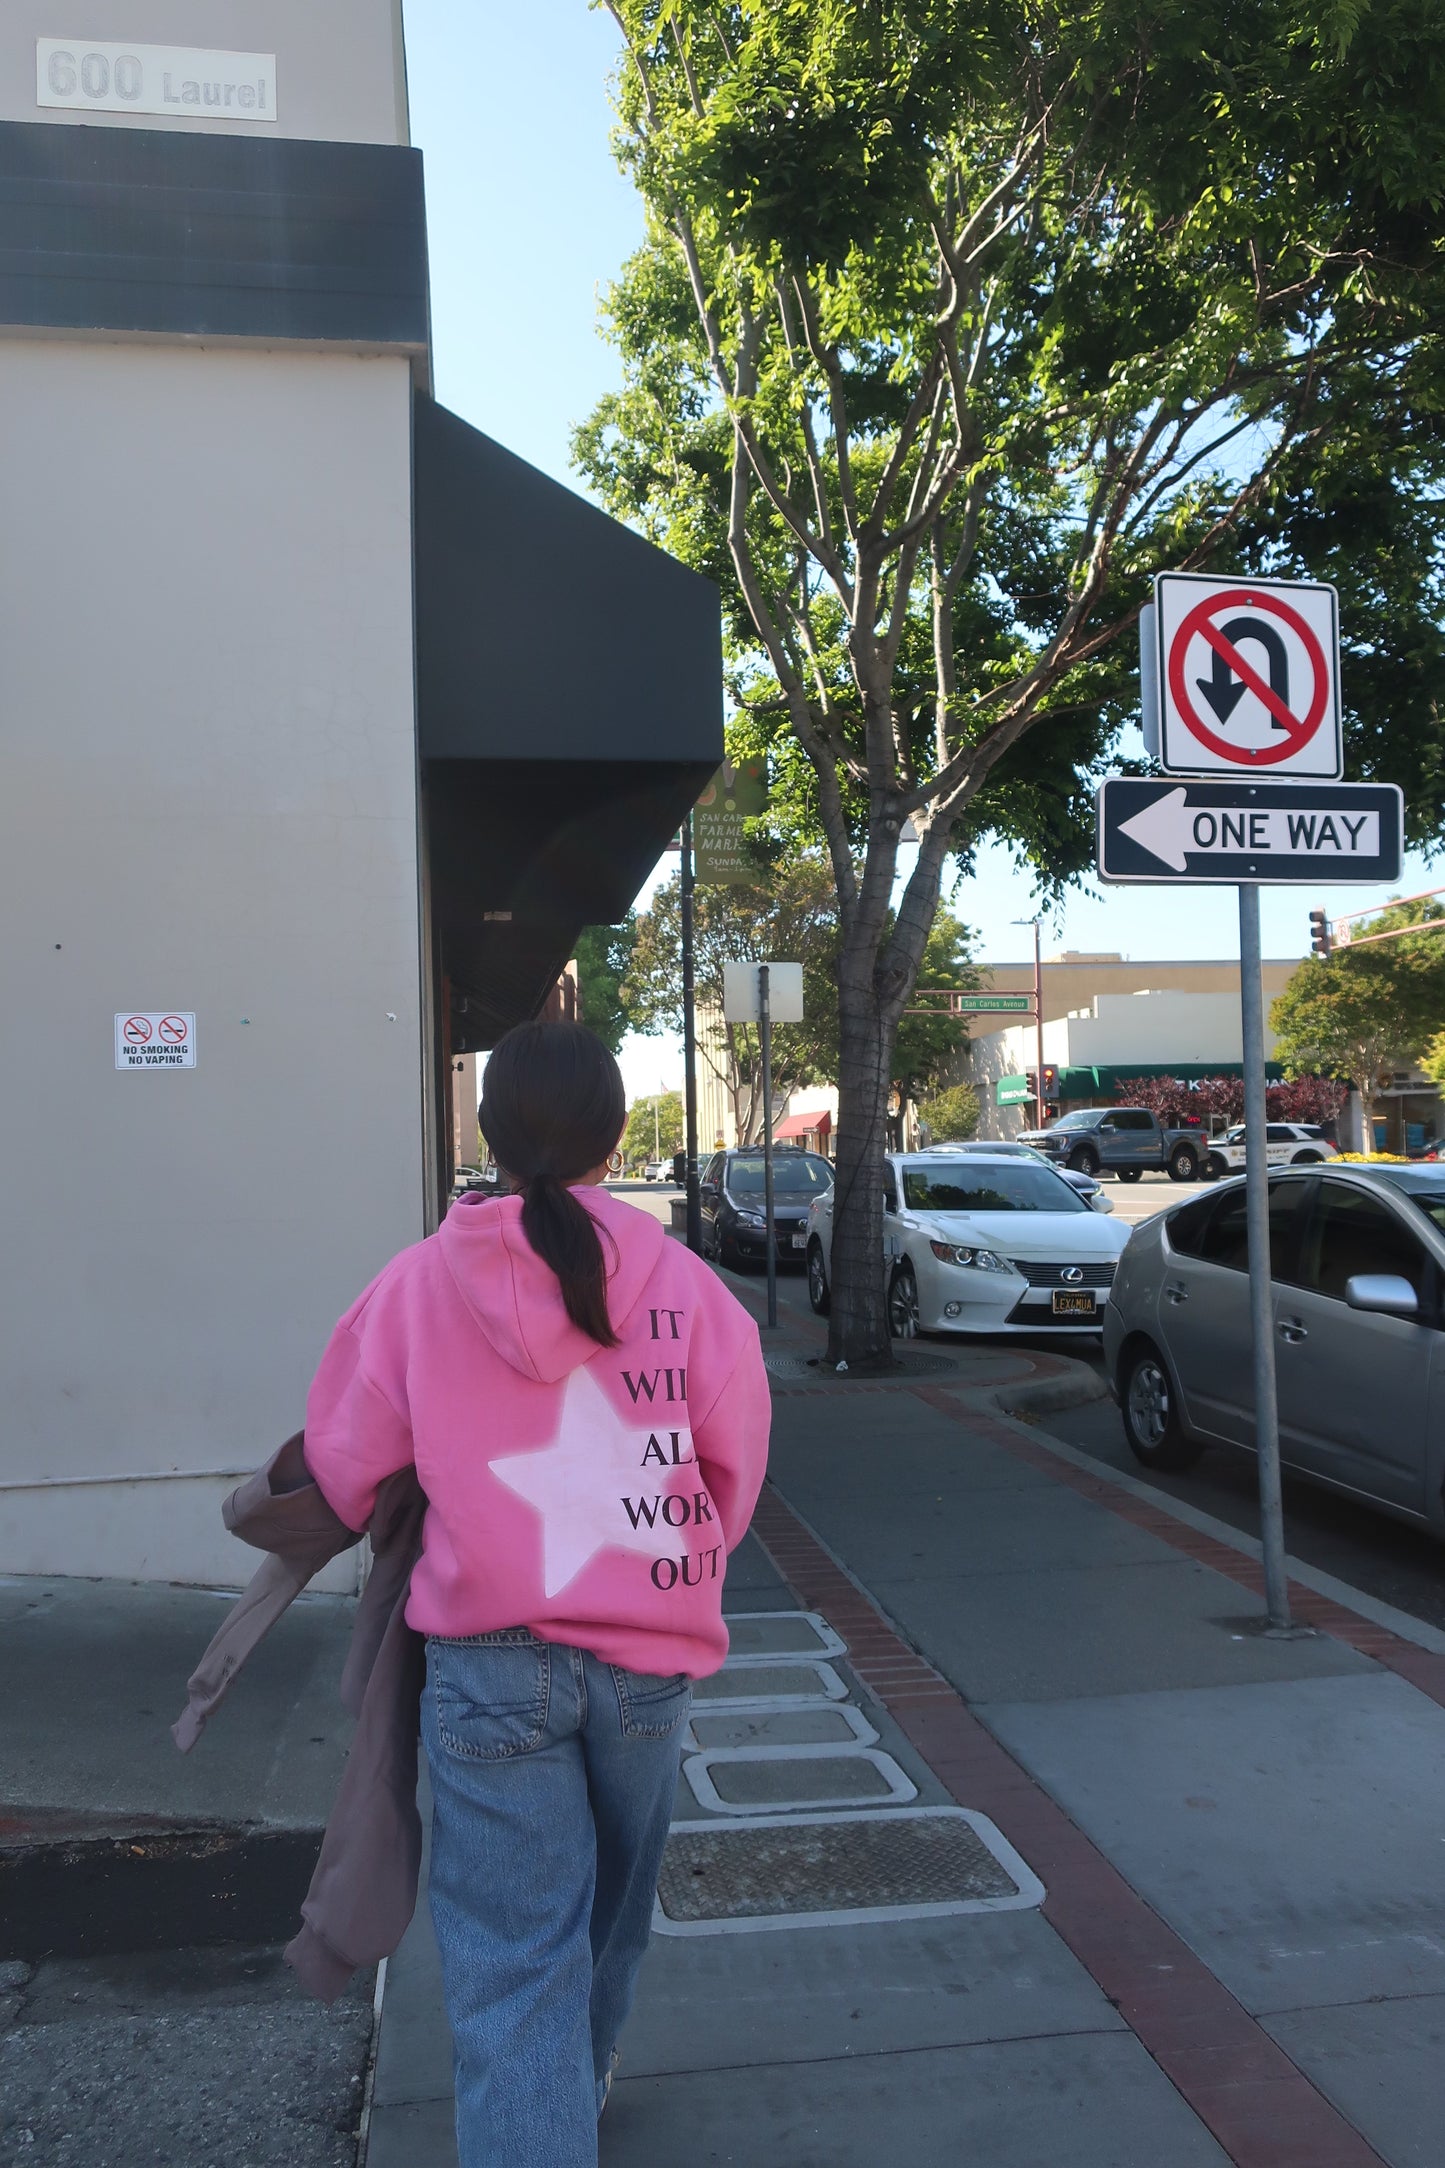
{"x": 800, "y": 1242}
{"x": 1074, "y": 1305}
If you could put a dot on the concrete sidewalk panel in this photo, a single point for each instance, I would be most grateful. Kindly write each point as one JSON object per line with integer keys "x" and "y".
{"x": 94, "y": 1675}
{"x": 966, "y": 1532}
{"x": 1066, "y": 1632}
{"x": 1380, "y": 2063}
{"x": 1291, "y": 1833}
{"x": 891, "y": 1445}
{"x": 754, "y": 1582}
{"x": 729, "y": 2002}
{"x": 1093, "y": 2102}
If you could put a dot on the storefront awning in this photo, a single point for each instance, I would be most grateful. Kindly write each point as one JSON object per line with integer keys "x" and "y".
{"x": 805, "y": 1125}
{"x": 569, "y": 697}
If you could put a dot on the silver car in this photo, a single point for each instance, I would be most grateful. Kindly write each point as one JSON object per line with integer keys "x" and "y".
{"x": 1357, "y": 1259}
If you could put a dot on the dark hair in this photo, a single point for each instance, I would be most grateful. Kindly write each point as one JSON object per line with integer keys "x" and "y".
{"x": 552, "y": 1109}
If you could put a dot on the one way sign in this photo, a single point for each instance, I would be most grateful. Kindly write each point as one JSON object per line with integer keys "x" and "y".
{"x": 1161, "y": 831}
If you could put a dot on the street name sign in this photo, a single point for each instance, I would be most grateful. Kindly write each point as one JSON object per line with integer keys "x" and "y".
{"x": 1245, "y": 675}
{"x": 1207, "y": 831}
{"x": 988, "y": 1004}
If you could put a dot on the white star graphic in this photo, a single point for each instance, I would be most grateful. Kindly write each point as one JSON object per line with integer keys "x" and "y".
{"x": 578, "y": 1483}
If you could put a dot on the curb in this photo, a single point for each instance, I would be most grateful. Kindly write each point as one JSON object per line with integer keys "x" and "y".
{"x": 1078, "y": 1388}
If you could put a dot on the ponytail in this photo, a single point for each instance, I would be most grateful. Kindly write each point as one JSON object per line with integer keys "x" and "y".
{"x": 552, "y": 1111}
{"x": 564, "y": 1235}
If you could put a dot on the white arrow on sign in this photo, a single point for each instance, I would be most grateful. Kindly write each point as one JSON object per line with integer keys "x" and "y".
{"x": 1174, "y": 831}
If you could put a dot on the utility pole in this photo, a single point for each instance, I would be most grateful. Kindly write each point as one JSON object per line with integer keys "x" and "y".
{"x": 689, "y": 1043}
{"x": 770, "y": 1235}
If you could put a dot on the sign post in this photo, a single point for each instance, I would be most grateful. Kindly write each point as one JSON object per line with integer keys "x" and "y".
{"x": 765, "y": 1034}
{"x": 689, "y": 1043}
{"x": 1240, "y": 680}
{"x": 1261, "y": 1292}
{"x": 765, "y": 994}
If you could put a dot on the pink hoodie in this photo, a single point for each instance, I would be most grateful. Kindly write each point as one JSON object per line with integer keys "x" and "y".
{"x": 591, "y": 1494}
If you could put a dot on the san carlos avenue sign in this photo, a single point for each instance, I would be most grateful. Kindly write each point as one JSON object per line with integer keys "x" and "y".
{"x": 1157, "y": 830}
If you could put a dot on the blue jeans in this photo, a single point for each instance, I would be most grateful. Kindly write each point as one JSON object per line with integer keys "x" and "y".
{"x": 553, "y": 1776}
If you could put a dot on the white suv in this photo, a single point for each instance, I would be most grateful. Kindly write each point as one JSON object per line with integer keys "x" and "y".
{"x": 1286, "y": 1144}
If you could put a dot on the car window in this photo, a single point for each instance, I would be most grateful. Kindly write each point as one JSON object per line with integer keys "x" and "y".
{"x": 1132, "y": 1118}
{"x": 1424, "y": 1186}
{"x": 1215, "y": 1230}
{"x": 795, "y": 1174}
{"x": 1081, "y": 1118}
{"x": 1279, "y": 1133}
{"x": 713, "y": 1170}
{"x": 890, "y": 1190}
{"x": 1004, "y": 1186}
{"x": 1352, "y": 1232}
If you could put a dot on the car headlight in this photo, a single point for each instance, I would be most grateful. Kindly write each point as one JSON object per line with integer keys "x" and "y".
{"x": 751, "y": 1219}
{"x": 958, "y": 1253}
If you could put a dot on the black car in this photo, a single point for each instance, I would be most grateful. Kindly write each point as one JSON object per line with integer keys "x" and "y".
{"x": 734, "y": 1229}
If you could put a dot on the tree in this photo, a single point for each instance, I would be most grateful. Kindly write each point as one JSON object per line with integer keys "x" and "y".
{"x": 952, "y": 325}
{"x": 1432, "y": 1061}
{"x": 603, "y": 955}
{"x": 952, "y": 1115}
{"x": 654, "y": 1128}
{"x": 791, "y": 915}
{"x": 1367, "y": 1008}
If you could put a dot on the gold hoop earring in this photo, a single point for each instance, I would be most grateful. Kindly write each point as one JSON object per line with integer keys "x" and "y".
{"x": 614, "y": 1163}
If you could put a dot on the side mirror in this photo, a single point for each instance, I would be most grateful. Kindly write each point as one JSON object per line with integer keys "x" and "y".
{"x": 1106, "y": 1129}
{"x": 1388, "y": 1294}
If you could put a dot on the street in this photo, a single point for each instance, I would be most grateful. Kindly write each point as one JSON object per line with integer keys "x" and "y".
{"x": 1387, "y": 1559}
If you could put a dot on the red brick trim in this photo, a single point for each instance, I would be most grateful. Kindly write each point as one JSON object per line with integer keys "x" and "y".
{"x": 1421, "y": 1667}
{"x": 1260, "y": 2107}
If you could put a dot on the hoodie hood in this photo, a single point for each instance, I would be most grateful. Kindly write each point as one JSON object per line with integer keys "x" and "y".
{"x": 517, "y": 1299}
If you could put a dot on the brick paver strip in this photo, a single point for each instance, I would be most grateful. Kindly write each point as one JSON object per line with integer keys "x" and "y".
{"x": 1260, "y": 2107}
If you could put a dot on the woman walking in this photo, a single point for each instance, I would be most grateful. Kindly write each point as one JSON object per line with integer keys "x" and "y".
{"x": 588, "y": 1414}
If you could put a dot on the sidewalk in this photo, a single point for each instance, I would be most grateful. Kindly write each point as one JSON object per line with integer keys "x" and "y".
{"x": 1239, "y": 1952}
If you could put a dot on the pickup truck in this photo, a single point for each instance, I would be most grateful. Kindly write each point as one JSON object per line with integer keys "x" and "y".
{"x": 1122, "y": 1141}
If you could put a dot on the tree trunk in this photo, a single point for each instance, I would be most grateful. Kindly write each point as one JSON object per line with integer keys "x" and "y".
{"x": 858, "y": 1324}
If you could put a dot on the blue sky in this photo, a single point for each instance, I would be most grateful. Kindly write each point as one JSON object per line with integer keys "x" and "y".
{"x": 529, "y": 219}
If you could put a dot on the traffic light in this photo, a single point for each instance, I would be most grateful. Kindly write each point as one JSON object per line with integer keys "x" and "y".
{"x": 1321, "y": 939}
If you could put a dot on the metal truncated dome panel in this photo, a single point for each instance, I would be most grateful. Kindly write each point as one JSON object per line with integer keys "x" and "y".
{"x": 799, "y": 1870}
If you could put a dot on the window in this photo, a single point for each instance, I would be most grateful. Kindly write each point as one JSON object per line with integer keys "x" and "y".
{"x": 1215, "y": 1229}
{"x": 1352, "y": 1232}
{"x": 1006, "y": 1186}
{"x": 1081, "y": 1118}
{"x": 795, "y": 1174}
{"x": 713, "y": 1170}
{"x": 1424, "y": 1186}
{"x": 1132, "y": 1118}
{"x": 1280, "y": 1133}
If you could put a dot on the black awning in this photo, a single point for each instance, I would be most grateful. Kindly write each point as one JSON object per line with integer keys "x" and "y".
{"x": 569, "y": 689}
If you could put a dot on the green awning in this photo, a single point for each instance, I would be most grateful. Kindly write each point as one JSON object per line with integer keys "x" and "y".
{"x": 1012, "y": 1091}
{"x": 1105, "y": 1083}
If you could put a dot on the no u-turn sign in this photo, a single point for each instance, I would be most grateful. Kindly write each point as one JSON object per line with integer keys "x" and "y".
{"x": 1247, "y": 675}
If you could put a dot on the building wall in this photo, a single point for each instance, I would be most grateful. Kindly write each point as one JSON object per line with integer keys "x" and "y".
{"x": 208, "y": 804}
{"x": 340, "y": 69}
{"x": 1073, "y": 979}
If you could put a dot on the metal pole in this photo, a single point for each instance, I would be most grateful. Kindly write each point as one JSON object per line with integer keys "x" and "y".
{"x": 765, "y": 1033}
{"x": 689, "y": 1046}
{"x": 1039, "y": 1024}
{"x": 1261, "y": 1292}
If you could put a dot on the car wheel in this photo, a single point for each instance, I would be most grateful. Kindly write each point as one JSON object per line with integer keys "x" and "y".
{"x": 1214, "y": 1168}
{"x": 1129, "y": 1174}
{"x": 1183, "y": 1164}
{"x": 1084, "y": 1161}
{"x": 817, "y": 1280}
{"x": 1308, "y": 1159}
{"x": 903, "y": 1304}
{"x": 1150, "y": 1408}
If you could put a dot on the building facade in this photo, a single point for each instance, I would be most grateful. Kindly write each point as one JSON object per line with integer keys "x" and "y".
{"x": 283, "y": 799}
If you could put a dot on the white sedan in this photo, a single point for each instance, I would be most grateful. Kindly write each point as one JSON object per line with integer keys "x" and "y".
{"x": 981, "y": 1243}
{"x": 1286, "y": 1144}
